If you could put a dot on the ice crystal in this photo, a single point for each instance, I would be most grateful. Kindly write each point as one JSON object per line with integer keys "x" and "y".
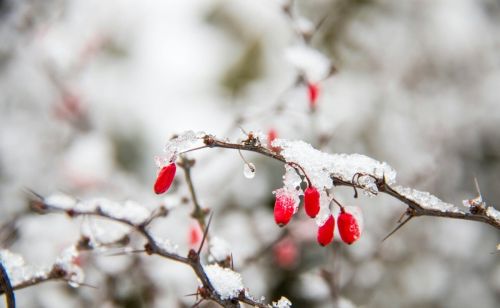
{"x": 219, "y": 249}
{"x": 426, "y": 200}
{"x": 320, "y": 166}
{"x": 282, "y": 303}
{"x": 182, "y": 142}
{"x": 227, "y": 283}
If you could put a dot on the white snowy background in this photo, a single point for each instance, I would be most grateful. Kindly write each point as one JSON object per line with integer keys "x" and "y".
{"x": 418, "y": 86}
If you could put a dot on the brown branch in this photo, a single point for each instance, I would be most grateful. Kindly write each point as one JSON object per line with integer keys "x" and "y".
{"x": 151, "y": 248}
{"x": 198, "y": 213}
{"x": 382, "y": 186}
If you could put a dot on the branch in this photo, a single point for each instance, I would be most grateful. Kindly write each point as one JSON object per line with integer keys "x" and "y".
{"x": 152, "y": 247}
{"x": 419, "y": 207}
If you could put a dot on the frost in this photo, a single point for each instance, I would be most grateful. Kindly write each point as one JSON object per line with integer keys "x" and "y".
{"x": 313, "y": 64}
{"x": 219, "y": 249}
{"x": 129, "y": 211}
{"x": 282, "y": 303}
{"x": 166, "y": 245}
{"x": 67, "y": 262}
{"x": 426, "y": 200}
{"x": 290, "y": 197}
{"x": 17, "y": 270}
{"x": 180, "y": 143}
{"x": 320, "y": 166}
{"x": 493, "y": 213}
{"x": 61, "y": 201}
{"x": 227, "y": 283}
{"x": 358, "y": 215}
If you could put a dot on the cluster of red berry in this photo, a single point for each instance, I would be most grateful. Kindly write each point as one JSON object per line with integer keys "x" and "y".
{"x": 284, "y": 208}
{"x": 348, "y": 225}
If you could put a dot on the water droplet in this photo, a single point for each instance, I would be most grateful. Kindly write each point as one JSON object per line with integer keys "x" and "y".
{"x": 249, "y": 170}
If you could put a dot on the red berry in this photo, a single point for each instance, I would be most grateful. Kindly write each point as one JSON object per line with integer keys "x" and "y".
{"x": 195, "y": 235}
{"x": 325, "y": 232}
{"x": 284, "y": 208}
{"x": 349, "y": 227}
{"x": 286, "y": 253}
{"x": 313, "y": 91}
{"x": 165, "y": 178}
{"x": 311, "y": 201}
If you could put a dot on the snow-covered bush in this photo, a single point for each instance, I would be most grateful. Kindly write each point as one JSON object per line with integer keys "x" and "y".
{"x": 251, "y": 201}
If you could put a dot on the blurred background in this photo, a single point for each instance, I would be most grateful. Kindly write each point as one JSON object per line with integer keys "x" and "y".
{"x": 90, "y": 91}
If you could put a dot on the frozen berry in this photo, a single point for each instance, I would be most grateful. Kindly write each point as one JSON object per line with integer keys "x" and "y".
{"x": 165, "y": 178}
{"x": 325, "y": 232}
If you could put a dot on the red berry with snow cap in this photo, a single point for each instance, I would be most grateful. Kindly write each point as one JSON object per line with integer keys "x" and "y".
{"x": 284, "y": 207}
{"x": 325, "y": 231}
{"x": 165, "y": 178}
{"x": 311, "y": 201}
{"x": 350, "y": 224}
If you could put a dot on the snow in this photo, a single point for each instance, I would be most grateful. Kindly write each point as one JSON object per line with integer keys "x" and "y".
{"x": 291, "y": 183}
{"x": 166, "y": 245}
{"x": 102, "y": 231}
{"x": 312, "y": 63}
{"x": 17, "y": 270}
{"x": 426, "y": 200}
{"x": 282, "y": 303}
{"x": 182, "y": 142}
{"x": 129, "y": 211}
{"x": 493, "y": 213}
{"x": 219, "y": 249}
{"x": 290, "y": 197}
{"x": 320, "y": 166}
{"x": 67, "y": 262}
{"x": 227, "y": 283}
{"x": 60, "y": 200}
{"x": 324, "y": 208}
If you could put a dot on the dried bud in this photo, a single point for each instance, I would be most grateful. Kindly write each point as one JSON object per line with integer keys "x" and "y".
{"x": 311, "y": 201}
{"x": 325, "y": 232}
{"x": 165, "y": 178}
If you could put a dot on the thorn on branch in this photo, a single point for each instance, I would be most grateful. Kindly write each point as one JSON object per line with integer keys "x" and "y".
{"x": 410, "y": 214}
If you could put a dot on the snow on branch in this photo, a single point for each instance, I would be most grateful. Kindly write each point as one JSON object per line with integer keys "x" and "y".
{"x": 359, "y": 172}
{"x": 222, "y": 285}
